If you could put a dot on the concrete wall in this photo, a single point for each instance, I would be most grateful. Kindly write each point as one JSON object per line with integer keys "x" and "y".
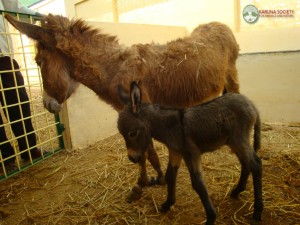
{"x": 272, "y": 81}
{"x": 160, "y": 12}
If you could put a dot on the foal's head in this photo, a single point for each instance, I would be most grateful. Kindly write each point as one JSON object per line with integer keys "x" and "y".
{"x": 132, "y": 126}
{"x": 55, "y": 66}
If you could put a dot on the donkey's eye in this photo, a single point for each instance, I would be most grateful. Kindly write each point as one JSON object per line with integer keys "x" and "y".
{"x": 38, "y": 62}
{"x": 133, "y": 134}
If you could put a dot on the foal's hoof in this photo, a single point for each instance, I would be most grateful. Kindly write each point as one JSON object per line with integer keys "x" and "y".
{"x": 255, "y": 222}
{"x": 234, "y": 194}
{"x": 236, "y": 191}
{"x": 256, "y": 217}
{"x": 165, "y": 207}
{"x": 156, "y": 181}
{"x": 134, "y": 195}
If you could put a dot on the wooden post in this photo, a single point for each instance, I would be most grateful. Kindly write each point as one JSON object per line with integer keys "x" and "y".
{"x": 64, "y": 119}
{"x": 115, "y": 11}
{"x": 237, "y": 15}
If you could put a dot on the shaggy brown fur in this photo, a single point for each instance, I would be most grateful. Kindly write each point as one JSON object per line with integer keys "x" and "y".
{"x": 180, "y": 73}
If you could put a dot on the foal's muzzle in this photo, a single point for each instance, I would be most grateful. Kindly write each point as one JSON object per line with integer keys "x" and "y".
{"x": 134, "y": 156}
{"x": 135, "y": 159}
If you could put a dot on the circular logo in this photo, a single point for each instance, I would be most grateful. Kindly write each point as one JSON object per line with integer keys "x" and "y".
{"x": 250, "y": 14}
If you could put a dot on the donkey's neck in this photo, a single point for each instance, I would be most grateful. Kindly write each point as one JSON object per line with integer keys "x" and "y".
{"x": 95, "y": 56}
{"x": 165, "y": 125}
{"x": 96, "y": 65}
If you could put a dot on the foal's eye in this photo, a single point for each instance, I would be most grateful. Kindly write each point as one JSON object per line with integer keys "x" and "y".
{"x": 133, "y": 134}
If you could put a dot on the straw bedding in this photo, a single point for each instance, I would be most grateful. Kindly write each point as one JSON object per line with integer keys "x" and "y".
{"x": 89, "y": 187}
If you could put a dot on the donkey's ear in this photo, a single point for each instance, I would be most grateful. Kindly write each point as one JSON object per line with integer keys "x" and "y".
{"x": 34, "y": 32}
{"x": 136, "y": 97}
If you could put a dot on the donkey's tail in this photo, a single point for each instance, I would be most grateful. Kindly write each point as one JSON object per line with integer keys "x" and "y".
{"x": 257, "y": 133}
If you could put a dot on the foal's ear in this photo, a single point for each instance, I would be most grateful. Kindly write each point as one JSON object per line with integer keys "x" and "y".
{"x": 136, "y": 97}
{"x": 34, "y": 32}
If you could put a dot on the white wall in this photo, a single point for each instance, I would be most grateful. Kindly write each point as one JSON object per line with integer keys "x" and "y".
{"x": 51, "y": 6}
{"x": 189, "y": 13}
{"x": 272, "y": 81}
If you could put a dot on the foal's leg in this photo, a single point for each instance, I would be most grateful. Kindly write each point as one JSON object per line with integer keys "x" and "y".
{"x": 137, "y": 190}
{"x": 154, "y": 160}
{"x": 171, "y": 174}
{"x": 241, "y": 148}
{"x": 192, "y": 162}
{"x": 241, "y": 186}
{"x": 242, "y": 154}
{"x": 250, "y": 162}
{"x": 256, "y": 170}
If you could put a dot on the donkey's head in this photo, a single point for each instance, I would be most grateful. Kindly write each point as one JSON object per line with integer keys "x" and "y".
{"x": 132, "y": 126}
{"x": 55, "y": 66}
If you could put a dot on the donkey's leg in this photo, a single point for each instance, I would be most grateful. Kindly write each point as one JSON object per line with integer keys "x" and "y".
{"x": 137, "y": 190}
{"x": 192, "y": 162}
{"x": 256, "y": 170}
{"x": 171, "y": 174}
{"x": 154, "y": 160}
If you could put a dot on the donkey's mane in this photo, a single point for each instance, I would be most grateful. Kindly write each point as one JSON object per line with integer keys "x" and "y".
{"x": 71, "y": 32}
{"x": 87, "y": 46}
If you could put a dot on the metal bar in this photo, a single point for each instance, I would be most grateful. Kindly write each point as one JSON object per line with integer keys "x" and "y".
{"x": 47, "y": 128}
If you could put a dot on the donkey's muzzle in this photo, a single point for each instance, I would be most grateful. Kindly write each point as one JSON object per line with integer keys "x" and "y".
{"x": 51, "y": 104}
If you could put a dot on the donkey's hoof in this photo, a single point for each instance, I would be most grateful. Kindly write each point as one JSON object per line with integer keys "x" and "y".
{"x": 134, "y": 195}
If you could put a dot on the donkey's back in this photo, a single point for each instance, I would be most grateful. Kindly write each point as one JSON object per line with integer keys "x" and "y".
{"x": 217, "y": 33}
{"x": 193, "y": 69}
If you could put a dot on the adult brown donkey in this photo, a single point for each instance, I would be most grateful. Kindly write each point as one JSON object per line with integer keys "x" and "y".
{"x": 180, "y": 73}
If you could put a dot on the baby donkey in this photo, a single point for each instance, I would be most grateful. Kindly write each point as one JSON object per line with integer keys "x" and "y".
{"x": 188, "y": 133}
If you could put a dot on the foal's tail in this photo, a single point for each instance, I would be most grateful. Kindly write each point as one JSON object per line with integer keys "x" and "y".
{"x": 257, "y": 135}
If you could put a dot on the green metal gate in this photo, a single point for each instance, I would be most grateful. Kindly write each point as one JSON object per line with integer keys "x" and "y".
{"x": 47, "y": 127}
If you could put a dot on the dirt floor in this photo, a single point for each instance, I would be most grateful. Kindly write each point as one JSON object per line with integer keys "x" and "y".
{"x": 89, "y": 186}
